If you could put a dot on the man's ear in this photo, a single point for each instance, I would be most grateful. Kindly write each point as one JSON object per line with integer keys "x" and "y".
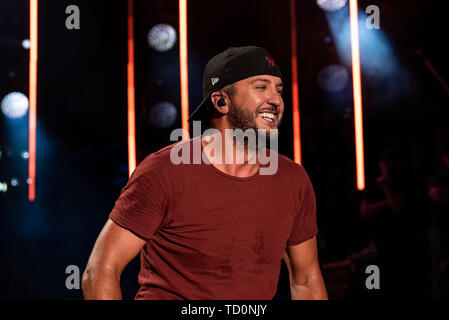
{"x": 220, "y": 109}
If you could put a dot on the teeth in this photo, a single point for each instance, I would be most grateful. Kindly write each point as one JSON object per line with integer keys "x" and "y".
{"x": 268, "y": 115}
{"x": 268, "y": 119}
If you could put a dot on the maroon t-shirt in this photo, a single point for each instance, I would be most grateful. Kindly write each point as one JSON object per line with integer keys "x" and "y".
{"x": 211, "y": 235}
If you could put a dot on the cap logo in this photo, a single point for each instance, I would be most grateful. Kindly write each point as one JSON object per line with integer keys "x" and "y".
{"x": 214, "y": 80}
{"x": 270, "y": 61}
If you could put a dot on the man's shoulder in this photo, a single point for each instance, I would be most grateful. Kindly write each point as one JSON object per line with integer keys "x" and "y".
{"x": 290, "y": 168}
{"x": 158, "y": 159}
{"x": 164, "y": 152}
{"x": 162, "y": 157}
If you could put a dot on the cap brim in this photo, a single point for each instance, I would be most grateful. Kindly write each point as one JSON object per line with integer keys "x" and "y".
{"x": 200, "y": 111}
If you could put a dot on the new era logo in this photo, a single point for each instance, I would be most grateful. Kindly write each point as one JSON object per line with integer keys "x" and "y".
{"x": 270, "y": 61}
{"x": 214, "y": 80}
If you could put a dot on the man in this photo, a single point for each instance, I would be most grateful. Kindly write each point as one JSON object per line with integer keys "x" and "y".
{"x": 220, "y": 230}
{"x": 438, "y": 192}
{"x": 385, "y": 207}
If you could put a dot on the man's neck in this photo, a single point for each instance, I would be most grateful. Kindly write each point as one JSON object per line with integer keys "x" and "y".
{"x": 235, "y": 158}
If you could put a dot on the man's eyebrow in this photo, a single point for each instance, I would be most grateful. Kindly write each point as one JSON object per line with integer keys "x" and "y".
{"x": 266, "y": 80}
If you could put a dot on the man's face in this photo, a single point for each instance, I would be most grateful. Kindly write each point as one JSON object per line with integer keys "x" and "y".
{"x": 257, "y": 104}
{"x": 385, "y": 168}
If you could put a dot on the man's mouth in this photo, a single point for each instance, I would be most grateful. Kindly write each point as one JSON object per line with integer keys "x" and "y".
{"x": 270, "y": 118}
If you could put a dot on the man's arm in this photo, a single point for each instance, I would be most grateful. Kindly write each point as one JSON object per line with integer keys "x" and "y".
{"x": 306, "y": 281}
{"x": 114, "y": 249}
{"x": 368, "y": 210}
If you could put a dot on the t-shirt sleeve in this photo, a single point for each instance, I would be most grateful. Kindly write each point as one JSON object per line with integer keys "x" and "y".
{"x": 305, "y": 225}
{"x": 142, "y": 203}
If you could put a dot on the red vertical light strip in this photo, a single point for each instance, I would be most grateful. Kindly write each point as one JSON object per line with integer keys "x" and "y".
{"x": 357, "y": 87}
{"x": 32, "y": 98}
{"x": 131, "y": 93}
{"x": 295, "y": 87}
{"x": 183, "y": 62}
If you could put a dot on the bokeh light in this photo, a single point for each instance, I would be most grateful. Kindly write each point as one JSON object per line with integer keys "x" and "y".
{"x": 162, "y": 37}
{"x": 163, "y": 114}
{"x": 3, "y": 187}
{"x": 15, "y": 105}
{"x": 331, "y": 5}
{"x": 333, "y": 78}
{"x": 14, "y": 182}
{"x": 26, "y": 44}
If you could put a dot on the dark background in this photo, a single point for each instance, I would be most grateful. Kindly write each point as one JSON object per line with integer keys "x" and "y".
{"x": 82, "y": 123}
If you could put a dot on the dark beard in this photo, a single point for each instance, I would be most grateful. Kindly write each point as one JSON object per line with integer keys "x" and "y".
{"x": 242, "y": 119}
{"x": 239, "y": 118}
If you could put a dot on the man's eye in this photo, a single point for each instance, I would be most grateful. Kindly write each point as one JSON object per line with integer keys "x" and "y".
{"x": 263, "y": 87}
{"x": 280, "y": 92}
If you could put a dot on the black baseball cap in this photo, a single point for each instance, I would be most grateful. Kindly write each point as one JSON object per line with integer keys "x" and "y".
{"x": 232, "y": 65}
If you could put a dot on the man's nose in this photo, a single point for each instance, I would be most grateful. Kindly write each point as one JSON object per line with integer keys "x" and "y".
{"x": 275, "y": 99}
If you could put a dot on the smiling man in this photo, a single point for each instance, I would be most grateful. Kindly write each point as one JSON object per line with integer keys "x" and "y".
{"x": 219, "y": 230}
